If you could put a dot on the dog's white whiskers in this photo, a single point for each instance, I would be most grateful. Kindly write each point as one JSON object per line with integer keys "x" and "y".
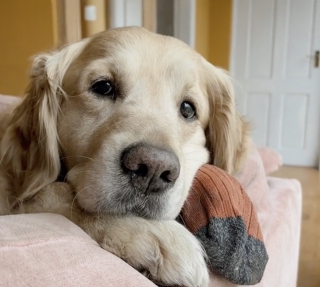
{"x": 3, "y": 155}
{"x": 195, "y": 160}
{"x": 82, "y": 156}
{"x": 77, "y": 193}
{"x": 181, "y": 218}
{"x": 72, "y": 169}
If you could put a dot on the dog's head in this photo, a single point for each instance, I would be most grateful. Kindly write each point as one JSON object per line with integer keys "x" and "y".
{"x": 133, "y": 115}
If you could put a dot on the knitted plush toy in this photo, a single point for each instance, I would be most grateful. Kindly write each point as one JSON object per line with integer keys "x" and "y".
{"x": 220, "y": 214}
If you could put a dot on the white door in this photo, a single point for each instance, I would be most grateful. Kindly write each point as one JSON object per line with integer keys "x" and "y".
{"x": 273, "y": 59}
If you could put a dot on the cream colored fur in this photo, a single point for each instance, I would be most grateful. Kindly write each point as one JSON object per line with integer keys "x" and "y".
{"x": 60, "y": 118}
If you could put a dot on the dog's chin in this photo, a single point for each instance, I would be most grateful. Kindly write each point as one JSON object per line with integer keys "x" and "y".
{"x": 128, "y": 202}
{"x": 151, "y": 210}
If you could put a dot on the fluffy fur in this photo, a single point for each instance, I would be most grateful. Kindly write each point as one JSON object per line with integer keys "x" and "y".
{"x": 60, "y": 119}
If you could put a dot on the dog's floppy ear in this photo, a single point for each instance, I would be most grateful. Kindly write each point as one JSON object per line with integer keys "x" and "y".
{"x": 227, "y": 132}
{"x": 30, "y": 146}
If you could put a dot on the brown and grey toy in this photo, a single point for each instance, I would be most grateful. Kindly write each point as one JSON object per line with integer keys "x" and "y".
{"x": 221, "y": 215}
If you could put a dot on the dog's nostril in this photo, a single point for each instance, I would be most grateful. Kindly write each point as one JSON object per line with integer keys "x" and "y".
{"x": 150, "y": 169}
{"x": 142, "y": 170}
{"x": 165, "y": 176}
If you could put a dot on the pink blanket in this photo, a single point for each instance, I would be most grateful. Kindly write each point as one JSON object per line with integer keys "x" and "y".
{"x": 48, "y": 250}
{"x": 6, "y": 101}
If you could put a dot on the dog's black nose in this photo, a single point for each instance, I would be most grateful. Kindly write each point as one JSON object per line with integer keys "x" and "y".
{"x": 151, "y": 169}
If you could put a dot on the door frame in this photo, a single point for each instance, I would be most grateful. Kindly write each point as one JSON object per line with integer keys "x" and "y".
{"x": 118, "y": 13}
{"x": 184, "y": 17}
{"x": 185, "y": 21}
{"x": 233, "y": 36}
{"x": 66, "y": 21}
{"x": 148, "y": 10}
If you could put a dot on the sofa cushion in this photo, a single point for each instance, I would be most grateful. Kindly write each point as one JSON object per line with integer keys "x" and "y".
{"x": 6, "y": 101}
{"x": 49, "y": 250}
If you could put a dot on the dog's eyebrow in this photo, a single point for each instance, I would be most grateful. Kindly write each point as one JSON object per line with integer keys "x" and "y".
{"x": 188, "y": 88}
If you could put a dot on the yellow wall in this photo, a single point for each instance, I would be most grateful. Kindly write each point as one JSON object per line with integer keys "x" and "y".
{"x": 213, "y": 30}
{"x": 26, "y": 28}
{"x": 202, "y": 27}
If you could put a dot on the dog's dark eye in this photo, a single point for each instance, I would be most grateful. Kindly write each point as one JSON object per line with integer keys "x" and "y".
{"x": 103, "y": 88}
{"x": 187, "y": 110}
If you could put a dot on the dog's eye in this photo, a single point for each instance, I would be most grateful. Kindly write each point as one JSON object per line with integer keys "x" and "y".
{"x": 187, "y": 110}
{"x": 103, "y": 88}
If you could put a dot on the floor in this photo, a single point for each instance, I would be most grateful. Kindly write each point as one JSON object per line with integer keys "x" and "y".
{"x": 309, "y": 264}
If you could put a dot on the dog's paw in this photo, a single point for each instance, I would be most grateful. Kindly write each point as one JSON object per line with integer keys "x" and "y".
{"x": 167, "y": 252}
{"x": 181, "y": 259}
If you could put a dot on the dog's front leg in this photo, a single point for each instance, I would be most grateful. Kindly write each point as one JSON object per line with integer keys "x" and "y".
{"x": 166, "y": 250}
{"x": 57, "y": 197}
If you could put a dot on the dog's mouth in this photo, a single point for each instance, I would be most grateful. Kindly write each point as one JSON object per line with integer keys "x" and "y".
{"x": 62, "y": 176}
{"x": 140, "y": 181}
{"x": 149, "y": 206}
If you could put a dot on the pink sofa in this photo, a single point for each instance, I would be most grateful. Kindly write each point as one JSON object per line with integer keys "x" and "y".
{"x": 49, "y": 250}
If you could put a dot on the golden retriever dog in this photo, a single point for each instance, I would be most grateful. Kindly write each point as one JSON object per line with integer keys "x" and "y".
{"x": 131, "y": 115}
